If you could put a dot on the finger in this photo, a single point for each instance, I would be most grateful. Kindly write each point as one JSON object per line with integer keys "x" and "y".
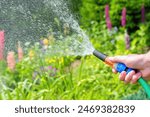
{"x": 118, "y": 59}
{"x": 122, "y": 75}
{"x": 145, "y": 73}
{"x": 114, "y": 71}
{"x": 129, "y": 76}
{"x": 135, "y": 77}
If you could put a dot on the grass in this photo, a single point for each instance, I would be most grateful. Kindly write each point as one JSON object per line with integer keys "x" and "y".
{"x": 84, "y": 78}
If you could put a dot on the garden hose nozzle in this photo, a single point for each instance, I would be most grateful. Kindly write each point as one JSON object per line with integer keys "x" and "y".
{"x": 122, "y": 67}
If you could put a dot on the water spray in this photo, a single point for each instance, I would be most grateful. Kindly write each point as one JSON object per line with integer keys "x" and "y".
{"x": 122, "y": 67}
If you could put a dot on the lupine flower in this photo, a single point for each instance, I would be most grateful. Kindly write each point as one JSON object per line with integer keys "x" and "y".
{"x": 2, "y": 44}
{"x": 123, "y": 18}
{"x": 143, "y": 14}
{"x": 109, "y": 25}
{"x": 11, "y": 60}
{"x": 108, "y": 22}
{"x": 107, "y": 11}
{"x": 20, "y": 52}
{"x": 127, "y": 40}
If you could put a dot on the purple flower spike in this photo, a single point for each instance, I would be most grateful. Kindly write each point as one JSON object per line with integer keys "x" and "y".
{"x": 106, "y": 11}
{"x": 109, "y": 26}
{"x": 2, "y": 44}
{"x": 143, "y": 14}
{"x": 108, "y": 22}
{"x": 123, "y": 18}
{"x": 127, "y": 40}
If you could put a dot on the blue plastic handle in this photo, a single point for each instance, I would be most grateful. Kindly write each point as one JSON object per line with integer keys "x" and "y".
{"x": 122, "y": 67}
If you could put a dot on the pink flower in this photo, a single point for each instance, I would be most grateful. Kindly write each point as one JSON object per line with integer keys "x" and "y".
{"x": 123, "y": 18}
{"x": 107, "y": 11}
{"x": 127, "y": 40}
{"x": 143, "y": 14}
{"x": 109, "y": 25}
{"x": 20, "y": 52}
{"x": 11, "y": 60}
{"x": 108, "y": 22}
{"x": 2, "y": 44}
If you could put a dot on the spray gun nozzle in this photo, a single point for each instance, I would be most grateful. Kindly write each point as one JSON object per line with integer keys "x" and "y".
{"x": 102, "y": 57}
{"x": 99, "y": 55}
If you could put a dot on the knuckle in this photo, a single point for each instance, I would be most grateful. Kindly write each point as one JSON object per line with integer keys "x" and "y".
{"x": 145, "y": 73}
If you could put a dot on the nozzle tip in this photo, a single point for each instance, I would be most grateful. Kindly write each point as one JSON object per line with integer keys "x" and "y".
{"x": 99, "y": 55}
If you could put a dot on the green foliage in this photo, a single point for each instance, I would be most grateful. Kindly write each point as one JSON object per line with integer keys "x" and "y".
{"x": 83, "y": 81}
{"x": 140, "y": 95}
{"x": 141, "y": 39}
{"x": 96, "y": 9}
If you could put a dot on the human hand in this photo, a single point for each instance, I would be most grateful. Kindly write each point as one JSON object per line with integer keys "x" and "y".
{"x": 140, "y": 62}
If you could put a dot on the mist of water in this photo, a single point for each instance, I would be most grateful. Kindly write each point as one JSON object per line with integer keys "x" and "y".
{"x": 29, "y": 21}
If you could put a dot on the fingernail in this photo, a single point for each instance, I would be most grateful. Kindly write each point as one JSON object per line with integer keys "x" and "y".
{"x": 123, "y": 73}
